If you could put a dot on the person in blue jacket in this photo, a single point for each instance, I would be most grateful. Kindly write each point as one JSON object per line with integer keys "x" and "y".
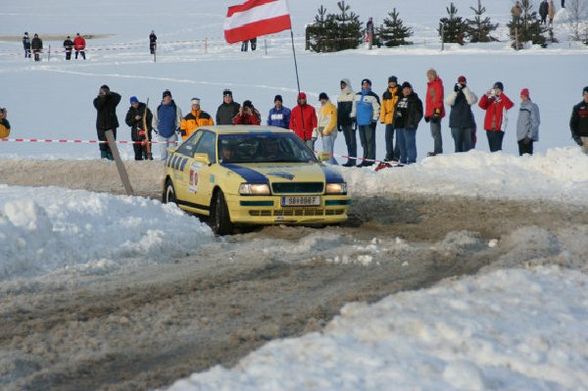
{"x": 366, "y": 110}
{"x": 279, "y": 115}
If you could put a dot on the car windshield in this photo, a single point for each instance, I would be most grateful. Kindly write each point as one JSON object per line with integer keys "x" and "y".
{"x": 263, "y": 148}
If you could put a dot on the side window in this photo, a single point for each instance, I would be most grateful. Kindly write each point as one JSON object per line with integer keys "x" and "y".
{"x": 207, "y": 144}
{"x": 187, "y": 148}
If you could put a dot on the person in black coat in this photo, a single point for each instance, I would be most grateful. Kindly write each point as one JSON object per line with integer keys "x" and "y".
{"x": 579, "y": 122}
{"x": 227, "y": 110}
{"x": 137, "y": 118}
{"x": 37, "y": 46}
{"x": 543, "y": 10}
{"x": 152, "y": 42}
{"x": 68, "y": 46}
{"x": 408, "y": 114}
{"x": 106, "y": 119}
{"x": 461, "y": 119}
{"x": 26, "y": 44}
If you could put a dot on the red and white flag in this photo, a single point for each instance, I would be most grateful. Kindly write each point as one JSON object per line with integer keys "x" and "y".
{"x": 255, "y": 18}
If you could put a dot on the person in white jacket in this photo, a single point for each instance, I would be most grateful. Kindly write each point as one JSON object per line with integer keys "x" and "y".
{"x": 461, "y": 118}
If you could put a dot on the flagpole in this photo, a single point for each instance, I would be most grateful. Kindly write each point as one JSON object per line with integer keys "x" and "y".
{"x": 295, "y": 62}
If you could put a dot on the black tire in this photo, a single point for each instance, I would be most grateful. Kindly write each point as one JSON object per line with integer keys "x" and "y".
{"x": 220, "y": 220}
{"x": 169, "y": 193}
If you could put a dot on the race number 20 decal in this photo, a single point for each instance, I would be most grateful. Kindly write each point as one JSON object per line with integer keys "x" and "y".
{"x": 193, "y": 184}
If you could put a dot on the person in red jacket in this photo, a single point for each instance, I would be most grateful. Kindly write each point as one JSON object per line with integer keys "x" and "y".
{"x": 248, "y": 115}
{"x": 496, "y": 104}
{"x": 434, "y": 109}
{"x": 303, "y": 121}
{"x": 80, "y": 46}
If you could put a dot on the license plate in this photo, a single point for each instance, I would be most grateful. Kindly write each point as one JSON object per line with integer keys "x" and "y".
{"x": 301, "y": 201}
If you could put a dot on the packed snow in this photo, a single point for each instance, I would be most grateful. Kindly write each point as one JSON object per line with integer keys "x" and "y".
{"x": 52, "y": 229}
{"x": 559, "y": 175}
{"x": 460, "y": 335}
{"x": 503, "y": 329}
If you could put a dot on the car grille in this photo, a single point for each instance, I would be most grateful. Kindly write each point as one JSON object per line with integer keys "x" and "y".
{"x": 297, "y": 212}
{"x": 297, "y": 187}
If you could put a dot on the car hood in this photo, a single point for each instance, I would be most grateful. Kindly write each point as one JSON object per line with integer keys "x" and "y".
{"x": 285, "y": 172}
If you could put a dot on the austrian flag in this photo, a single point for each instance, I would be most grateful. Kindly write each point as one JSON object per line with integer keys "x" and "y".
{"x": 255, "y": 18}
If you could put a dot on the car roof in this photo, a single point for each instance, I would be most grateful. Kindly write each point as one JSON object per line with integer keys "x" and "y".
{"x": 240, "y": 129}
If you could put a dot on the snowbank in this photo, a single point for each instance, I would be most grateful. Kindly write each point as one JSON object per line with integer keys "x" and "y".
{"x": 510, "y": 329}
{"x": 46, "y": 229}
{"x": 560, "y": 174}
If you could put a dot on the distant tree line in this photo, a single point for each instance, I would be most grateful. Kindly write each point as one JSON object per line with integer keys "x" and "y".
{"x": 332, "y": 32}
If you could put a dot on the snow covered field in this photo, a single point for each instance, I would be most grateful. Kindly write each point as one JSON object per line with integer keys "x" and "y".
{"x": 515, "y": 325}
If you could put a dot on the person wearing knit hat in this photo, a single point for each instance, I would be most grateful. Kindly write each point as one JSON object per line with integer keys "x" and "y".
{"x": 194, "y": 119}
{"x": 279, "y": 115}
{"x": 366, "y": 111}
{"x": 528, "y": 123}
{"x": 26, "y": 44}
{"x": 345, "y": 122}
{"x": 409, "y": 112}
{"x": 167, "y": 119}
{"x": 327, "y": 127}
{"x": 390, "y": 98}
{"x": 579, "y": 122}
{"x": 227, "y": 110}
{"x": 248, "y": 115}
{"x": 140, "y": 119}
{"x": 496, "y": 104}
{"x": 434, "y": 109}
{"x": 461, "y": 118}
{"x": 106, "y": 119}
{"x": 303, "y": 121}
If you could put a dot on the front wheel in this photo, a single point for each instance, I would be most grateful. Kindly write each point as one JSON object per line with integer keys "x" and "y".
{"x": 169, "y": 193}
{"x": 220, "y": 221}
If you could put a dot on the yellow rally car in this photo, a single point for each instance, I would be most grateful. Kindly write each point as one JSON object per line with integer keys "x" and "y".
{"x": 242, "y": 175}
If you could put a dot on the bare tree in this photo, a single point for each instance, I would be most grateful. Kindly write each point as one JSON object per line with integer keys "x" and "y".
{"x": 578, "y": 18}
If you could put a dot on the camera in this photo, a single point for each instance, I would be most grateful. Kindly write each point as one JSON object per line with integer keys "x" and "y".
{"x": 493, "y": 92}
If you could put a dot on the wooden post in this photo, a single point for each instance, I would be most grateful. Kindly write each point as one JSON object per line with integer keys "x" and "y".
{"x": 122, "y": 171}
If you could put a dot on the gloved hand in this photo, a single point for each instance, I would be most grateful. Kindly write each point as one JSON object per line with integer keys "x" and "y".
{"x": 458, "y": 87}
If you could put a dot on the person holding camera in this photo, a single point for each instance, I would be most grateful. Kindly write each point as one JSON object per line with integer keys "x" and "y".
{"x": 496, "y": 104}
{"x": 4, "y": 124}
{"x": 106, "y": 119}
{"x": 248, "y": 115}
{"x": 461, "y": 119}
{"x": 434, "y": 109}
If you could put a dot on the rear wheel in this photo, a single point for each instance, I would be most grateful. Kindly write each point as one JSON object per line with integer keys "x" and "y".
{"x": 220, "y": 221}
{"x": 169, "y": 193}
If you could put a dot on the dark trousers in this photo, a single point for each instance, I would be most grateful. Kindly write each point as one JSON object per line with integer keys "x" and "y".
{"x": 351, "y": 142}
{"x": 437, "y": 138}
{"x": 152, "y": 48}
{"x": 37, "y": 54}
{"x": 105, "y": 152}
{"x": 27, "y": 53}
{"x": 462, "y": 138}
{"x": 495, "y": 140}
{"x": 140, "y": 149}
{"x": 68, "y": 54}
{"x": 392, "y": 152}
{"x": 244, "y": 46}
{"x": 83, "y": 53}
{"x": 525, "y": 147}
{"x": 253, "y": 44}
{"x": 367, "y": 136}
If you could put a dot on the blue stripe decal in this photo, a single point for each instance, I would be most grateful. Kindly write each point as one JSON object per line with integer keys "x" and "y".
{"x": 183, "y": 164}
{"x": 332, "y": 176}
{"x": 250, "y": 176}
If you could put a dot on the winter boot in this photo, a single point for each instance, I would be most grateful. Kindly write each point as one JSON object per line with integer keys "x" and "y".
{"x": 103, "y": 154}
{"x": 109, "y": 155}
{"x": 149, "y": 156}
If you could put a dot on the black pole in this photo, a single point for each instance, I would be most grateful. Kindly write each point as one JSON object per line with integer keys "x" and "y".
{"x": 295, "y": 62}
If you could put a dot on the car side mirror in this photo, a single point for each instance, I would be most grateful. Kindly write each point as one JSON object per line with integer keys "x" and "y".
{"x": 202, "y": 158}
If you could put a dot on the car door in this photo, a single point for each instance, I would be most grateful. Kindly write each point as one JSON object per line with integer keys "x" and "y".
{"x": 180, "y": 162}
{"x": 201, "y": 174}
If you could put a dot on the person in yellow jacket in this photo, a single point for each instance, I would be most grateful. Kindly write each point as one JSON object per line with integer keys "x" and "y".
{"x": 390, "y": 99}
{"x": 195, "y": 119}
{"x": 4, "y": 124}
{"x": 327, "y": 126}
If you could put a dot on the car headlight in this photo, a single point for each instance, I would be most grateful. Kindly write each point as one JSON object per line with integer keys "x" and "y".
{"x": 336, "y": 188}
{"x": 253, "y": 189}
